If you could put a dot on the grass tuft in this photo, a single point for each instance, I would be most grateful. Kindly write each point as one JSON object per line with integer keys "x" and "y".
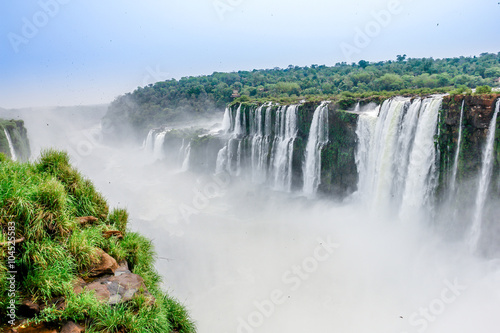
{"x": 44, "y": 199}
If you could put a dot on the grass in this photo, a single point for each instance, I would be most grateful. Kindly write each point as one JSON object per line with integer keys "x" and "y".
{"x": 44, "y": 199}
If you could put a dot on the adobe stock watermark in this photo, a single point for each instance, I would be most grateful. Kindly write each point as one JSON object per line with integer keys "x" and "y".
{"x": 364, "y": 36}
{"x": 11, "y": 273}
{"x": 154, "y": 75}
{"x": 83, "y": 144}
{"x": 425, "y": 315}
{"x": 32, "y": 26}
{"x": 221, "y": 7}
{"x": 292, "y": 279}
{"x": 214, "y": 187}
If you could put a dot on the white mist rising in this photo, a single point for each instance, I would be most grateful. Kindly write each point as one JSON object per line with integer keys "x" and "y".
{"x": 227, "y": 248}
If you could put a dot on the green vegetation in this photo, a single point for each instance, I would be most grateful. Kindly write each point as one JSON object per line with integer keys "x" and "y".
{"x": 165, "y": 101}
{"x": 44, "y": 199}
{"x": 483, "y": 90}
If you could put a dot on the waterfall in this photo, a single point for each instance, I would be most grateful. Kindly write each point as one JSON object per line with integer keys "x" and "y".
{"x": 357, "y": 107}
{"x": 187, "y": 155}
{"x": 484, "y": 182}
{"x": 11, "y": 146}
{"x": 286, "y": 132}
{"x": 453, "y": 178}
{"x": 260, "y": 144}
{"x": 226, "y": 121}
{"x": 264, "y": 152}
{"x": 422, "y": 170}
{"x": 318, "y": 137}
{"x": 221, "y": 160}
{"x": 364, "y": 131}
{"x": 148, "y": 145}
{"x": 405, "y": 145}
{"x": 396, "y": 155}
{"x": 238, "y": 127}
{"x": 377, "y": 171}
{"x": 158, "y": 145}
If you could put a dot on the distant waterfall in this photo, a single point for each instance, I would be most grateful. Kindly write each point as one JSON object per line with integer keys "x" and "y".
{"x": 13, "y": 155}
{"x": 226, "y": 121}
{"x": 158, "y": 145}
{"x": 285, "y": 134}
{"x": 239, "y": 129}
{"x": 484, "y": 182}
{"x": 260, "y": 128}
{"x": 453, "y": 178}
{"x": 396, "y": 153}
{"x": 318, "y": 137}
{"x": 261, "y": 146}
{"x": 187, "y": 155}
{"x": 149, "y": 142}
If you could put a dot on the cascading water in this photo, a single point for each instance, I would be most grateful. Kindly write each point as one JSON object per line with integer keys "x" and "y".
{"x": 377, "y": 184}
{"x": 13, "y": 155}
{"x": 158, "y": 145}
{"x": 484, "y": 182}
{"x": 149, "y": 142}
{"x": 453, "y": 178}
{"x": 187, "y": 155}
{"x": 267, "y": 146}
{"x": 226, "y": 121}
{"x": 260, "y": 143}
{"x": 285, "y": 134}
{"x": 318, "y": 137}
{"x": 422, "y": 174}
{"x": 238, "y": 127}
{"x": 396, "y": 153}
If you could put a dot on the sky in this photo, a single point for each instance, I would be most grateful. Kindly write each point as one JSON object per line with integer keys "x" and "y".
{"x": 74, "y": 52}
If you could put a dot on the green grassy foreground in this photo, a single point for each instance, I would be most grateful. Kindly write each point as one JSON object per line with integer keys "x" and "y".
{"x": 44, "y": 200}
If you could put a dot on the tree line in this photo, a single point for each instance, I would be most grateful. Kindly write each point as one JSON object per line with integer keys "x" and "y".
{"x": 173, "y": 99}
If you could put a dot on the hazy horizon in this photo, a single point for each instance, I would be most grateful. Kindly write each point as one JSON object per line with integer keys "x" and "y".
{"x": 61, "y": 52}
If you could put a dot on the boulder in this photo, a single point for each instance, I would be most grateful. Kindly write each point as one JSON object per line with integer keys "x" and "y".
{"x": 106, "y": 265}
{"x": 119, "y": 289}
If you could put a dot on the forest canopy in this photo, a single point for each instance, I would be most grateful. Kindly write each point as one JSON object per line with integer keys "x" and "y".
{"x": 165, "y": 101}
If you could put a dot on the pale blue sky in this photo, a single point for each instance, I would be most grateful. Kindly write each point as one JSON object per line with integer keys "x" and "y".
{"x": 89, "y": 52}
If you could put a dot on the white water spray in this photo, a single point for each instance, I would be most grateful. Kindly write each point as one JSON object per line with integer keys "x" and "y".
{"x": 484, "y": 182}
{"x": 318, "y": 137}
{"x": 158, "y": 145}
{"x": 453, "y": 179}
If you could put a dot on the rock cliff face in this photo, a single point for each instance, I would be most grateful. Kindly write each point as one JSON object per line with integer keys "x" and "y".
{"x": 477, "y": 114}
{"x": 14, "y": 140}
{"x": 252, "y": 145}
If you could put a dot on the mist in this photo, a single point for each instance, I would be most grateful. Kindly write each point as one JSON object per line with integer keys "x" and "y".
{"x": 244, "y": 258}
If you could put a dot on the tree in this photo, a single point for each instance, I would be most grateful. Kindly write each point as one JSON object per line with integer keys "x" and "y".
{"x": 483, "y": 89}
{"x": 363, "y": 63}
